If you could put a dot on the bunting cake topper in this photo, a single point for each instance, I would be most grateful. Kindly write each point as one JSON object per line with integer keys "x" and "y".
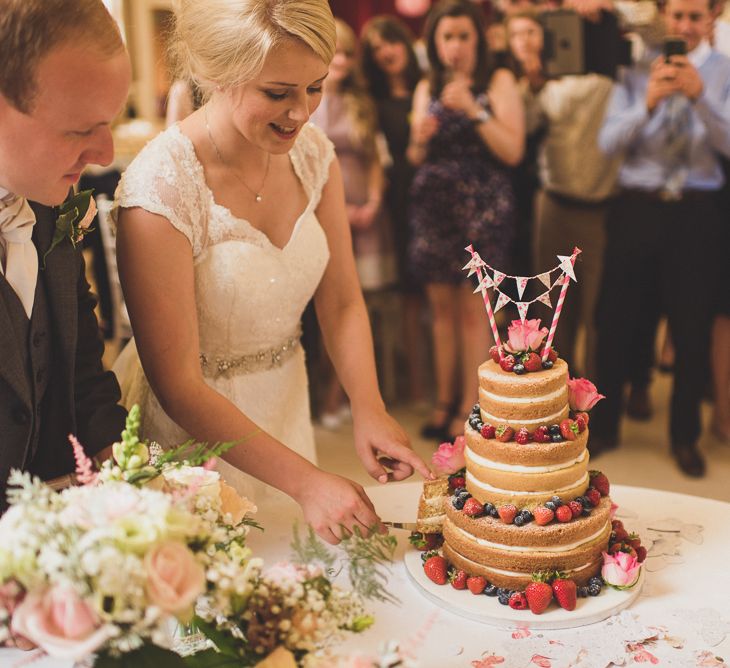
{"x": 489, "y": 277}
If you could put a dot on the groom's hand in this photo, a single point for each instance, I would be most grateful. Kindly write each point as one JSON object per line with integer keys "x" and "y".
{"x": 382, "y": 444}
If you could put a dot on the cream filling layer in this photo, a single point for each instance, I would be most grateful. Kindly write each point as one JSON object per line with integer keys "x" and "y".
{"x": 432, "y": 520}
{"x": 521, "y": 574}
{"x": 523, "y": 400}
{"x": 517, "y": 468}
{"x": 517, "y": 548}
{"x": 488, "y": 417}
{"x": 436, "y": 502}
{"x": 490, "y": 488}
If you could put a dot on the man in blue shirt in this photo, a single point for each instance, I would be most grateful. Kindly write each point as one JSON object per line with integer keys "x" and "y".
{"x": 670, "y": 120}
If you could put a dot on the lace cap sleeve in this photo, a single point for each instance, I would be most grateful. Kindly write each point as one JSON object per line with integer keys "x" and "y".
{"x": 312, "y": 155}
{"x": 166, "y": 179}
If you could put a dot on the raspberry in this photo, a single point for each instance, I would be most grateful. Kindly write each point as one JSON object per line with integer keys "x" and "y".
{"x": 522, "y": 436}
{"x": 553, "y": 355}
{"x": 507, "y": 363}
{"x": 494, "y": 354}
{"x": 532, "y": 362}
{"x": 585, "y": 416}
{"x": 576, "y": 507}
{"x": 541, "y": 435}
{"x": 518, "y": 601}
{"x": 476, "y": 584}
{"x": 600, "y": 482}
{"x": 640, "y": 553}
{"x": 488, "y": 431}
{"x": 564, "y": 514}
{"x": 593, "y": 495}
{"x": 581, "y": 422}
{"x": 456, "y": 482}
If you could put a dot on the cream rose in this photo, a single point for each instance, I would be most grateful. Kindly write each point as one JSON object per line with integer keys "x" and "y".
{"x": 174, "y": 578}
{"x": 237, "y": 506}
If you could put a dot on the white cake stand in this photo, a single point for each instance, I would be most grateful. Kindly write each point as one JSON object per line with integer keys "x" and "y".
{"x": 488, "y": 609}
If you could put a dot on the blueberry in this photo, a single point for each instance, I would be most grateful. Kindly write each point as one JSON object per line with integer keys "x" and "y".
{"x": 596, "y": 580}
{"x": 556, "y": 438}
{"x": 491, "y": 590}
{"x": 554, "y": 429}
{"x": 494, "y": 512}
{"x": 458, "y": 502}
{"x": 475, "y": 423}
{"x": 519, "y": 369}
{"x": 489, "y": 508}
{"x": 594, "y": 590}
{"x": 582, "y": 592}
{"x": 582, "y": 500}
{"x": 475, "y": 409}
{"x": 547, "y": 364}
{"x": 459, "y": 490}
{"x": 464, "y": 494}
{"x": 527, "y": 515}
{"x": 586, "y": 511}
{"x": 557, "y": 501}
{"x": 550, "y": 505}
{"x": 518, "y": 520}
{"x": 503, "y": 596}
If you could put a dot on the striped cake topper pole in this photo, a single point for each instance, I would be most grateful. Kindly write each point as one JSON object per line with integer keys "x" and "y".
{"x": 566, "y": 264}
{"x": 475, "y": 265}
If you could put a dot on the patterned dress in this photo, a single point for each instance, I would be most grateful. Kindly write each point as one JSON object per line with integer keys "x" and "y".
{"x": 460, "y": 195}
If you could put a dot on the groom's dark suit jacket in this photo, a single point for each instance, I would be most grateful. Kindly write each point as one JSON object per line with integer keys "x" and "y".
{"x": 80, "y": 398}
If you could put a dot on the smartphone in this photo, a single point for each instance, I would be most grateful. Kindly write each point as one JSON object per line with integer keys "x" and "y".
{"x": 674, "y": 47}
{"x": 564, "y": 50}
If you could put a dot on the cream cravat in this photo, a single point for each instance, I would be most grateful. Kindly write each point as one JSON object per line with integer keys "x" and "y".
{"x": 18, "y": 255}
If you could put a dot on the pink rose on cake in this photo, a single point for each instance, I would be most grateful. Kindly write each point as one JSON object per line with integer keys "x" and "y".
{"x": 620, "y": 570}
{"x": 449, "y": 457}
{"x": 582, "y": 394}
{"x": 525, "y": 336}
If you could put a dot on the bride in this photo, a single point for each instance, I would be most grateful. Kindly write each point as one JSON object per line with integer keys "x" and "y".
{"x": 228, "y": 223}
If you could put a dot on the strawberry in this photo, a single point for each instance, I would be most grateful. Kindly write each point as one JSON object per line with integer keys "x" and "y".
{"x": 541, "y": 435}
{"x": 457, "y": 578}
{"x": 564, "y": 513}
{"x": 640, "y": 553}
{"x": 584, "y": 415}
{"x": 623, "y": 547}
{"x": 507, "y": 513}
{"x": 488, "y": 431}
{"x": 539, "y": 595}
{"x": 504, "y": 433}
{"x": 543, "y": 515}
{"x": 426, "y": 541}
{"x": 634, "y": 540}
{"x": 617, "y": 524}
{"x": 532, "y": 362}
{"x": 435, "y": 569}
{"x": 473, "y": 508}
{"x": 476, "y": 584}
{"x": 518, "y": 601}
{"x": 507, "y": 363}
{"x": 619, "y": 535}
{"x": 569, "y": 429}
{"x": 576, "y": 507}
{"x": 593, "y": 495}
{"x": 600, "y": 482}
{"x": 581, "y": 422}
{"x": 553, "y": 355}
{"x": 456, "y": 481}
{"x": 494, "y": 354}
{"x": 565, "y": 593}
{"x": 522, "y": 436}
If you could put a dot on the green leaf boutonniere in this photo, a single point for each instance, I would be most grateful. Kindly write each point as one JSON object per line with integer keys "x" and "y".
{"x": 74, "y": 220}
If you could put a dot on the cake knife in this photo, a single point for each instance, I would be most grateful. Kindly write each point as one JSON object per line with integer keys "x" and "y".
{"x": 408, "y": 526}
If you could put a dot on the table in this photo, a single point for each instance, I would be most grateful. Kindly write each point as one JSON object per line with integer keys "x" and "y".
{"x": 681, "y": 618}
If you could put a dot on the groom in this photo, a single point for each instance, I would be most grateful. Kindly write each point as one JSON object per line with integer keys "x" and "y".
{"x": 64, "y": 76}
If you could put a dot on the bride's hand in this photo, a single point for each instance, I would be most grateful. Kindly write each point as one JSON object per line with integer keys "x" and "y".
{"x": 381, "y": 444}
{"x": 335, "y": 506}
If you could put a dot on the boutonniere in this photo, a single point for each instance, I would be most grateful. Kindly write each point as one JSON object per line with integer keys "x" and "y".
{"x": 74, "y": 220}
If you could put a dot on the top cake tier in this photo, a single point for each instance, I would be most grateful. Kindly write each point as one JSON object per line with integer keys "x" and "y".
{"x": 529, "y": 400}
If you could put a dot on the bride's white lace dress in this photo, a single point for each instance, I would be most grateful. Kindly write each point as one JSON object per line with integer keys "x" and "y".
{"x": 249, "y": 293}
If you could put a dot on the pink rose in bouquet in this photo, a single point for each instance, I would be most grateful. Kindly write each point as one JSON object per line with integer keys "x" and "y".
{"x": 524, "y": 336}
{"x": 449, "y": 457}
{"x": 61, "y": 623}
{"x": 174, "y": 578}
{"x": 620, "y": 570}
{"x": 582, "y": 394}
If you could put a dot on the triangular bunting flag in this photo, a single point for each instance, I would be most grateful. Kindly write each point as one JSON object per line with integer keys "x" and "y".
{"x": 545, "y": 278}
{"x": 521, "y": 284}
{"x": 474, "y": 265}
{"x": 501, "y": 300}
{"x": 522, "y": 310}
{"x": 545, "y": 299}
{"x": 566, "y": 265}
{"x": 485, "y": 283}
{"x": 498, "y": 277}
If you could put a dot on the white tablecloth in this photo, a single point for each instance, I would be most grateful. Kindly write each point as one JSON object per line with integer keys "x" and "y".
{"x": 683, "y": 605}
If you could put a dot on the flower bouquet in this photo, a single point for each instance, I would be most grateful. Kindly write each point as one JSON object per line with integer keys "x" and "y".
{"x": 104, "y": 570}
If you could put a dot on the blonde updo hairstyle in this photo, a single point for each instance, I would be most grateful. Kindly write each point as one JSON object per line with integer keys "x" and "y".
{"x": 224, "y": 43}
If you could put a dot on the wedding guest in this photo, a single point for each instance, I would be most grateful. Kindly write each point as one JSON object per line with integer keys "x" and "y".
{"x": 392, "y": 72}
{"x": 468, "y": 129}
{"x": 246, "y": 199}
{"x": 54, "y": 54}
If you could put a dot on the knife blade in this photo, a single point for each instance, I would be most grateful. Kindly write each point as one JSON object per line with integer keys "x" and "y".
{"x": 407, "y": 526}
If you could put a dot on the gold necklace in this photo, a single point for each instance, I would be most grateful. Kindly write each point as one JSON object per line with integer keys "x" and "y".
{"x": 258, "y": 196}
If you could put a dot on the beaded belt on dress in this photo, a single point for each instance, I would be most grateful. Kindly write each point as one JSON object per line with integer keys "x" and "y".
{"x": 262, "y": 360}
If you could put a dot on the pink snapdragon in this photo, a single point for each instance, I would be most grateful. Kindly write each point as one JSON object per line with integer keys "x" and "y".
{"x": 524, "y": 336}
{"x": 582, "y": 394}
{"x": 449, "y": 457}
{"x": 620, "y": 570}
